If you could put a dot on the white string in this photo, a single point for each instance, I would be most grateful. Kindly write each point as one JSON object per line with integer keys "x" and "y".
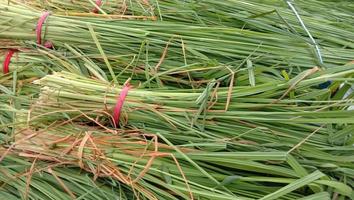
{"x": 318, "y": 51}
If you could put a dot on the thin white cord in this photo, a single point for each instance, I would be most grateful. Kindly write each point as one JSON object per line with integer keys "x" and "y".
{"x": 318, "y": 51}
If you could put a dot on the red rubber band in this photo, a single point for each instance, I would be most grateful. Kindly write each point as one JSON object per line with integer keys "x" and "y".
{"x": 39, "y": 26}
{"x": 120, "y": 101}
{"x": 99, "y": 4}
{"x": 7, "y": 60}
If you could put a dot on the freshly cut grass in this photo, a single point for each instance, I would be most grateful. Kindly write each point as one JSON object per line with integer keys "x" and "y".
{"x": 177, "y": 58}
{"x": 30, "y": 62}
{"x": 34, "y": 179}
{"x": 330, "y": 22}
{"x": 109, "y": 8}
{"x": 244, "y": 128}
{"x": 306, "y": 118}
{"x": 71, "y": 91}
{"x": 145, "y": 41}
{"x": 155, "y": 170}
{"x": 313, "y": 125}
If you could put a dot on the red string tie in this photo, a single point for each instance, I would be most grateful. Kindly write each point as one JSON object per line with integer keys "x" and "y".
{"x": 120, "y": 101}
{"x": 98, "y": 4}
{"x": 39, "y": 26}
{"x": 7, "y": 60}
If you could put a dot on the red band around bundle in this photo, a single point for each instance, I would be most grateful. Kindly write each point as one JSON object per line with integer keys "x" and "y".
{"x": 120, "y": 101}
{"x": 7, "y": 60}
{"x": 39, "y": 26}
{"x": 98, "y": 4}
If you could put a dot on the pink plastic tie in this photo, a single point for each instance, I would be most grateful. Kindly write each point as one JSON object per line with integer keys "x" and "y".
{"x": 120, "y": 101}
{"x": 99, "y": 4}
{"x": 7, "y": 60}
{"x": 39, "y": 26}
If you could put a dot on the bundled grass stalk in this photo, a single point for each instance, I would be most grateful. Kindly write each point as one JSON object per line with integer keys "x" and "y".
{"x": 146, "y": 41}
{"x": 70, "y": 91}
{"x": 131, "y": 66}
{"x": 312, "y": 125}
{"x": 149, "y": 167}
{"x": 331, "y": 29}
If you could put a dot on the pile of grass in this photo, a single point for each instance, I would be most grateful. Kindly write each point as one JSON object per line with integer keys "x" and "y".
{"x": 141, "y": 162}
{"x": 226, "y": 100}
{"x": 292, "y": 133}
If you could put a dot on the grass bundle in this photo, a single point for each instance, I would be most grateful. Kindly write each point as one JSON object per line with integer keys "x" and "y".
{"x": 255, "y": 16}
{"x": 311, "y": 124}
{"x": 195, "y": 107}
{"x": 146, "y": 42}
{"x": 160, "y": 171}
{"x": 334, "y": 29}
